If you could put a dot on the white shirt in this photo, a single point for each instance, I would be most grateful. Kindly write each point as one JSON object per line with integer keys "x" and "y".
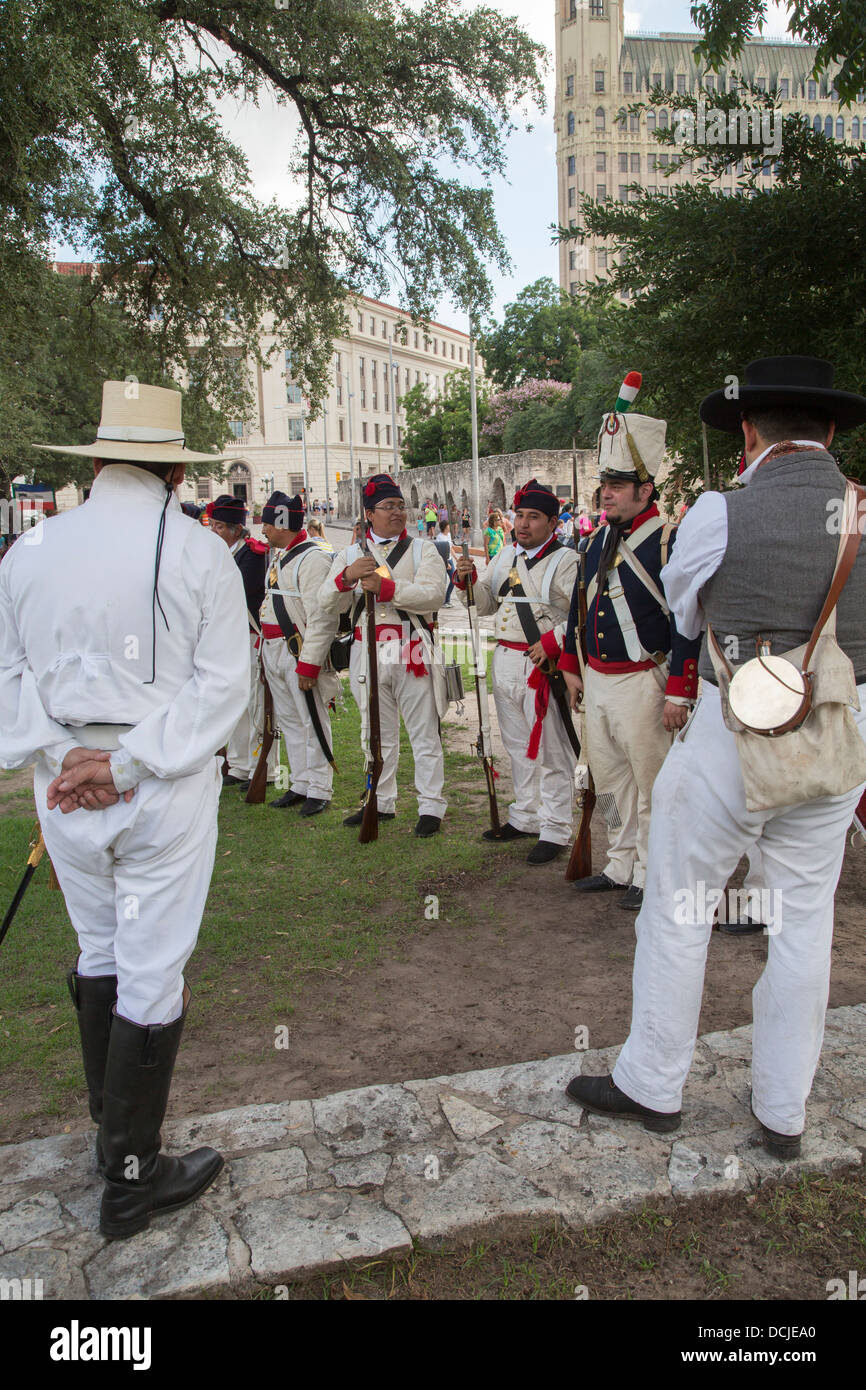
{"x": 76, "y": 634}
{"x": 702, "y": 539}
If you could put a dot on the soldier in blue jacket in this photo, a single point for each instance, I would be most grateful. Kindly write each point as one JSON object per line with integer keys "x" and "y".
{"x": 639, "y": 679}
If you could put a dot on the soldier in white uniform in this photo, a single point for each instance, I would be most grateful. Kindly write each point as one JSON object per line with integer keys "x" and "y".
{"x": 123, "y": 668}
{"x": 530, "y": 720}
{"x": 409, "y": 581}
{"x": 296, "y": 637}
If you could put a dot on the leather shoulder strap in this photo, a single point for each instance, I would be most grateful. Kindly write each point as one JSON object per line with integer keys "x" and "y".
{"x": 849, "y": 544}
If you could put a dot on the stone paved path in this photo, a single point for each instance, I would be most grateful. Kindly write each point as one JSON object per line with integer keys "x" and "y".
{"x": 309, "y": 1185}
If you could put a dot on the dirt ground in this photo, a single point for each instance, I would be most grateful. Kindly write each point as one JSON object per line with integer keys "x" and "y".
{"x": 508, "y": 978}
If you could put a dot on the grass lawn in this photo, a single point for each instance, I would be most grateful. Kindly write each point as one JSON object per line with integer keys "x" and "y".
{"x": 287, "y": 897}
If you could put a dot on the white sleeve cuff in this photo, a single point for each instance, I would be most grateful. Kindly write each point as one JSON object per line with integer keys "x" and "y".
{"x": 127, "y": 771}
{"x": 54, "y": 754}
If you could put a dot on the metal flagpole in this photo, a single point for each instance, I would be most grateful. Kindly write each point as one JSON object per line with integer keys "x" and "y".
{"x": 356, "y": 511}
{"x": 306, "y": 475}
{"x": 393, "y": 406}
{"x": 327, "y": 494}
{"x": 476, "y": 484}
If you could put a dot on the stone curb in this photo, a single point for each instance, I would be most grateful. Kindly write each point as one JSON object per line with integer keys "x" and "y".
{"x": 310, "y": 1186}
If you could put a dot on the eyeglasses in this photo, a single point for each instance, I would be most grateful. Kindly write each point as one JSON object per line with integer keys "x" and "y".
{"x": 390, "y": 507}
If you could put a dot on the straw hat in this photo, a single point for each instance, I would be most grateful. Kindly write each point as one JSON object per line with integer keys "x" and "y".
{"x": 140, "y": 424}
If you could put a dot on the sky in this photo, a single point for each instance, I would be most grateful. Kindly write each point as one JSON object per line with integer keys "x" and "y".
{"x": 525, "y": 198}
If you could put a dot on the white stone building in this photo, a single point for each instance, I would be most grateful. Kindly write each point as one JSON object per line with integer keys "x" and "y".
{"x": 603, "y": 148}
{"x": 267, "y": 450}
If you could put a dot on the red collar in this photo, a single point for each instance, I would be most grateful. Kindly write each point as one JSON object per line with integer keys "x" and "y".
{"x": 257, "y": 547}
{"x": 301, "y": 536}
{"x": 644, "y": 516}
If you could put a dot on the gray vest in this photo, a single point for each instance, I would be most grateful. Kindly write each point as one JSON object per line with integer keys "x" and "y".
{"x": 779, "y": 562}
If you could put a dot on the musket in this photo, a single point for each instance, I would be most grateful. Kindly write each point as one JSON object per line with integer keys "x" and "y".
{"x": 370, "y": 818}
{"x": 258, "y": 782}
{"x": 484, "y": 744}
{"x": 580, "y": 859}
{"x": 36, "y": 852}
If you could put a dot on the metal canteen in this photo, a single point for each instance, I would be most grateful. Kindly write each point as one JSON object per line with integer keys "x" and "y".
{"x": 769, "y": 695}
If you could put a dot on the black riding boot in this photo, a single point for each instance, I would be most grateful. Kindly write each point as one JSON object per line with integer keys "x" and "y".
{"x": 94, "y": 997}
{"x": 141, "y": 1182}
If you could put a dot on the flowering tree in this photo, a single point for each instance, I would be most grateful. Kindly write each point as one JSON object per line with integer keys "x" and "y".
{"x": 532, "y": 392}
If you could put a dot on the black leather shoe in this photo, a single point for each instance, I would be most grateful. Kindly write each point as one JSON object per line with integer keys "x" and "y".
{"x": 781, "y": 1146}
{"x": 507, "y": 832}
{"x": 244, "y": 786}
{"x": 602, "y": 1097}
{"x": 599, "y": 883}
{"x": 543, "y": 852}
{"x": 231, "y": 781}
{"x": 141, "y": 1182}
{"x": 748, "y": 927}
{"x": 632, "y": 899}
{"x": 358, "y": 816}
{"x": 290, "y": 799}
{"x": 427, "y": 826}
{"x": 312, "y": 806}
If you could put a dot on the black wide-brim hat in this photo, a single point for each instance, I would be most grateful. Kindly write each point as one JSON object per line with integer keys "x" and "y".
{"x": 773, "y": 382}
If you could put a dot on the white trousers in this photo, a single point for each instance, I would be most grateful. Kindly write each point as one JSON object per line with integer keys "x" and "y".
{"x": 543, "y": 802}
{"x": 626, "y": 744}
{"x": 401, "y": 693}
{"x": 242, "y": 747}
{"x": 312, "y": 774}
{"x": 135, "y": 877}
{"x": 700, "y": 829}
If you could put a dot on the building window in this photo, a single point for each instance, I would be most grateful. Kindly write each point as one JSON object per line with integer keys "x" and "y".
{"x": 296, "y": 431}
{"x": 601, "y": 191}
{"x": 416, "y": 339}
{"x": 569, "y": 86}
{"x": 634, "y": 121}
{"x": 572, "y": 9}
{"x": 363, "y": 398}
{"x": 237, "y": 429}
{"x": 761, "y": 84}
{"x": 596, "y": 9}
{"x": 452, "y": 352}
{"x": 817, "y": 125}
{"x": 384, "y": 329}
{"x": 601, "y": 260}
{"x": 635, "y": 164}
{"x": 375, "y": 400}
{"x": 623, "y": 164}
{"x": 663, "y": 120}
{"x": 681, "y": 83}
{"x": 460, "y": 354}
{"x": 767, "y": 168}
{"x": 784, "y": 88}
{"x": 572, "y": 197}
{"x": 662, "y": 162}
{"x": 812, "y": 91}
{"x": 408, "y": 379}
{"x": 840, "y": 129}
{"x": 339, "y": 390}
{"x": 388, "y": 435}
{"x": 360, "y": 323}
{"x": 341, "y": 429}
{"x": 650, "y": 122}
{"x": 855, "y": 128}
{"x": 599, "y": 118}
{"x": 364, "y": 432}
{"x": 572, "y": 260}
{"x": 362, "y": 363}
{"x": 623, "y": 193}
{"x": 657, "y": 79}
{"x": 293, "y": 392}
{"x": 573, "y": 287}
{"x": 709, "y": 82}
{"x": 399, "y": 436}
{"x": 572, "y": 165}
{"x": 628, "y": 83}
{"x": 569, "y": 123}
{"x": 601, "y": 162}
{"x": 375, "y": 434}
{"x": 202, "y": 489}
{"x": 651, "y": 189}
{"x": 828, "y": 127}
{"x": 372, "y": 325}
{"x": 599, "y": 81}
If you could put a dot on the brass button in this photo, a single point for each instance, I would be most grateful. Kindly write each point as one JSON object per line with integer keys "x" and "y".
{"x": 601, "y": 612}
{"x": 603, "y": 657}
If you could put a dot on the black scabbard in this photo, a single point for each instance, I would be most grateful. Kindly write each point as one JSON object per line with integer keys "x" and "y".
{"x": 558, "y": 688}
{"x": 35, "y": 855}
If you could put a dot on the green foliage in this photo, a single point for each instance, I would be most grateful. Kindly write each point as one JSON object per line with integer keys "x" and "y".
{"x": 542, "y": 336}
{"x": 111, "y": 139}
{"x": 440, "y": 431}
{"x": 837, "y": 27}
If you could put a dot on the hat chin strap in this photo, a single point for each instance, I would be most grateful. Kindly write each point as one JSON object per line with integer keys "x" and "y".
{"x": 139, "y": 434}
